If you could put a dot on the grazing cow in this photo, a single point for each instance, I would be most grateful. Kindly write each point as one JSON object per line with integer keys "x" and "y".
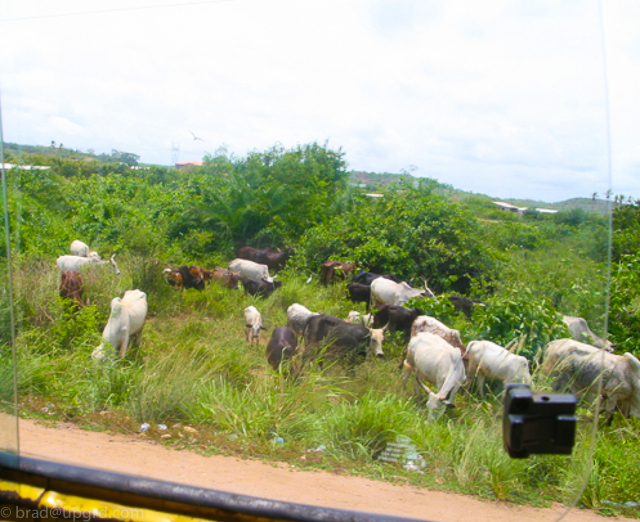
{"x": 173, "y": 277}
{"x": 76, "y": 262}
{"x": 71, "y": 287}
{"x": 397, "y": 317}
{"x": 577, "y": 366}
{"x": 250, "y": 270}
{"x": 227, "y": 277}
{"x": 464, "y": 304}
{"x": 192, "y": 277}
{"x": 125, "y": 323}
{"x": 332, "y": 269}
{"x": 78, "y": 248}
{"x": 487, "y": 360}
{"x": 359, "y": 293}
{"x": 297, "y": 317}
{"x": 580, "y": 331}
{"x": 385, "y": 291}
{"x": 253, "y": 324}
{"x": 274, "y": 260}
{"x": 260, "y": 288}
{"x": 366, "y": 278}
{"x": 425, "y": 323}
{"x": 355, "y": 317}
{"x": 350, "y": 341}
{"x": 435, "y": 360}
{"x": 281, "y": 346}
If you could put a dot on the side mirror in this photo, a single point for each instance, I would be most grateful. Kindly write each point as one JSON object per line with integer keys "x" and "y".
{"x": 537, "y": 423}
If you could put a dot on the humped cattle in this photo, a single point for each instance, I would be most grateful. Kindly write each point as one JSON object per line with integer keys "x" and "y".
{"x": 433, "y": 359}
{"x": 425, "y": 323}
{"x": 125, "y": 323}
{"x": 366, "y": 278}
{"x": 78, "y": 248}
{"x": 281, "y": 347}
{"x": 250, "y": 270}
{"x": 71, "y": 287}
{"x": 260, "y": 288}
{"x": 253, "y": 324}
{"x": 385, "y": 291}
{"x": 297, "y": 317}
{"x": 227, "y": 277}
{"x": 580, "y": 331}
{"x": 355, "y": 317}
{"x": 274, "y": 260}
{"x": 351, "y": 342}
{"x": 331, "y": 270}
{"x": 576, "y": 367}
{"x": 359, "y": 293}
{"x": 397, "y": 317}
{"x": 76, "y": 263}
{"x": 487, "y": 360}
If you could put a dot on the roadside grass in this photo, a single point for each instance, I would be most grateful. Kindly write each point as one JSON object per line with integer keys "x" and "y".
{"x": 193, "y": 367}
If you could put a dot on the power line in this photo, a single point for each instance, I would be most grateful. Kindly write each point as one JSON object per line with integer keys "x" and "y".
{"x": 114, "y": 10}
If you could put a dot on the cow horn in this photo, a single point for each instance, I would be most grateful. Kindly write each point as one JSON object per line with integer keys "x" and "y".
{"x": 384, "y": 328}
{"x": 423, "y": 385}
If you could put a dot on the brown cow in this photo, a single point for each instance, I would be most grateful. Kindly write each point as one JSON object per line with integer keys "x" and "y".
{"x": 331, "y": 269}
{"x": 71, "y": 286}
{"x": 274, "y": 260}
{"x": 227, "y": 277}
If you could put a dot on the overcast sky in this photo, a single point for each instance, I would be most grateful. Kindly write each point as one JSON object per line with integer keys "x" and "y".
{"x": 506, "y": 98}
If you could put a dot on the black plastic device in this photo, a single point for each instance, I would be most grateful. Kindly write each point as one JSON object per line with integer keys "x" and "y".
{"x": 537, "y": 423}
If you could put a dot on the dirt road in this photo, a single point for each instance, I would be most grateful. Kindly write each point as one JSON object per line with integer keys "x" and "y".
{"x": 133, "y": 455}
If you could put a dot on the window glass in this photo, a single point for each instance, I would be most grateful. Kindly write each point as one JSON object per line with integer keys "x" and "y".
{"x": 460, "y": 148}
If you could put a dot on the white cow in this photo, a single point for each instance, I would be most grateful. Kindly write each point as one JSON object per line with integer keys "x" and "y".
{"x": 425, "y": 323}
{"x": 78, "y": 248}
{"x": 577, "y": 366}
{"x": 435, "y": 360}
{"x": 76, "y": 262}
{"x": 355, "y": 317}
{"x": 385, "y": 291}
{"x": 297, "y": 317}
{"x": 580, "y": 331}
{"x": 250, "y": 270}
{"x": 125, "y": 323}
{"x": 487, "y": 360}
{"x": 253, "y": 324}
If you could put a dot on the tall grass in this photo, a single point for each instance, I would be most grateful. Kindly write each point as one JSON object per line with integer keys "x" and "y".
{"x": 193, "y": 366}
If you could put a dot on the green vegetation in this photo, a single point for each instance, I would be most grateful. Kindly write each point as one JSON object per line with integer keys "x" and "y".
{"x": 193, "y": 367}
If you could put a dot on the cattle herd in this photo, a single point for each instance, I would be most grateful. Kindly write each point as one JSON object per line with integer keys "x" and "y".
{"x": 434, "y": 353}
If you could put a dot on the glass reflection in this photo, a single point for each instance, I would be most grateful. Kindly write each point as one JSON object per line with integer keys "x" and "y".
{"x": 194, "y": 382}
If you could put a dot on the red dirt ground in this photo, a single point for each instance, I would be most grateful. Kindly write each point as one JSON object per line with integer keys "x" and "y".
{"x": 135, "y": 455}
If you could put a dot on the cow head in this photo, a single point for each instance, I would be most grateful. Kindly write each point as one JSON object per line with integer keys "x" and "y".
{"x": 376, "y": 337}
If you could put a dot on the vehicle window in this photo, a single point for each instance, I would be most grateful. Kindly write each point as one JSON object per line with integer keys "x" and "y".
{"x": 155, "y": 153}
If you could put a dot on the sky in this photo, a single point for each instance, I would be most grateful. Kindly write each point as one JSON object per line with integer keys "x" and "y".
{"x": 506, "y": 98}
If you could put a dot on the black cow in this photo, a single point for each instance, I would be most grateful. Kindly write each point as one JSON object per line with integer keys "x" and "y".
{"x": 359, "y": 293}
{"x": 274, "y": 260}
{"x": 344, "y": 340}
{"x": 281, "y": 347}
{"x": 260, "y": 288}
{"x": 366, "y": 278}
{"x": 464, "y": 304}
{"x": 191, "y": 277}
{"x": 397, "y": 317}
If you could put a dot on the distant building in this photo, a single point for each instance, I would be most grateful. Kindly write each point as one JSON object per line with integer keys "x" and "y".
{"x": 24, "y": 167}
{"x": 508, "y": 207}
